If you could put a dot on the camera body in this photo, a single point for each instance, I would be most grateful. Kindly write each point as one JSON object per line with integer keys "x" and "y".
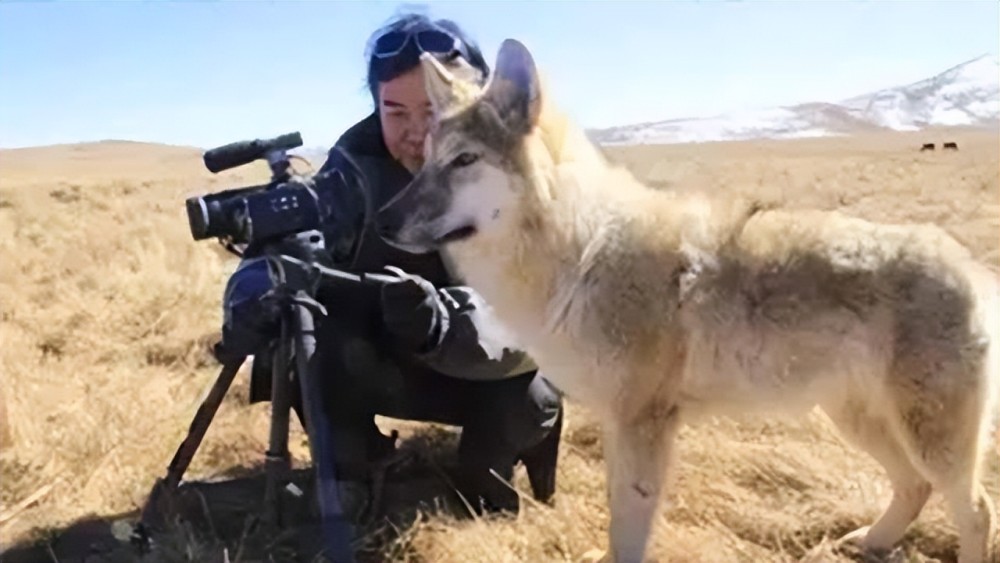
{"x": 259, "y": 213}
{"x": 255, "y": 214}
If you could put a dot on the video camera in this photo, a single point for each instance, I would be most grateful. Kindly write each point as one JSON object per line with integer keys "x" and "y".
{"x": 284, "y": 206}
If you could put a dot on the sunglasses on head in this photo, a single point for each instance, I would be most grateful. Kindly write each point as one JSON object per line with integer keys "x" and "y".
{"x": 426, "y": 40}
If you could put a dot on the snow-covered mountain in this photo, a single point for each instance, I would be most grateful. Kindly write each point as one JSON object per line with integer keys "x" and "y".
{"x": 965, "y": 95}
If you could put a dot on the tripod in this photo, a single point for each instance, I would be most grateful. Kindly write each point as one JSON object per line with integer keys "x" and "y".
{"x": 295, "y": 283}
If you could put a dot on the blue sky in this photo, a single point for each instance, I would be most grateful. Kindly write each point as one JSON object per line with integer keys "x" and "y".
{"x": 204, "y": 73}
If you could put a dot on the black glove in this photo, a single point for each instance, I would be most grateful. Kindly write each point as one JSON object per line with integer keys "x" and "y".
{"x": 412, "y": 312}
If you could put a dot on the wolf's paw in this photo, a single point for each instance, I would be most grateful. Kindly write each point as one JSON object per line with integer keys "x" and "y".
{"x": 855, "y": 543}
{"x": 595, "y": 556}
{"x": 855, "y": 538}
{"x": 602, "y": 556}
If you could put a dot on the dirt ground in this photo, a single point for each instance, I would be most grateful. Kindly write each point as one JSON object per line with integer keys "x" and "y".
{"x": 108, "y": 309}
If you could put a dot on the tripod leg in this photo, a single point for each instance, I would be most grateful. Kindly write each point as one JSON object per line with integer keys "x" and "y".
{"x": 337, "y": 532}
{"x": 277, "y": 462}
{"x": 160, "y": 497}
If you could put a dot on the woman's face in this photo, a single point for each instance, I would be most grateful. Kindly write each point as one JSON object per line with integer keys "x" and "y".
{"x": 405, "y": 111}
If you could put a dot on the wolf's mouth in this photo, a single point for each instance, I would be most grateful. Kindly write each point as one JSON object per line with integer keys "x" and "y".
{"x": 458, "y": 234}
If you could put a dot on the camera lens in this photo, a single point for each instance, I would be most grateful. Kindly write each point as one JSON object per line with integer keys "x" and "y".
{"x": 198, "y": 218}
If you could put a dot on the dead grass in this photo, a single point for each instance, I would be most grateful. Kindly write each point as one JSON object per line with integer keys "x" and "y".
{"x": 107, "y": 308}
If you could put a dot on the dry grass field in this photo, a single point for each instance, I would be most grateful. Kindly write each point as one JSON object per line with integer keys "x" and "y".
{"x": 107, "y": 309}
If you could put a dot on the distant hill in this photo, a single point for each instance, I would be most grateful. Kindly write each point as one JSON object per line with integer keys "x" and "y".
{"x": 965, "y": 95}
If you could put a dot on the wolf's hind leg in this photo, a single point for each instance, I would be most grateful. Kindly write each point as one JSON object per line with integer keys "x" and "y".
{"x": 949, "y": 454}
{"x": 910, "y": 490}
{"x": 637, "y": 454}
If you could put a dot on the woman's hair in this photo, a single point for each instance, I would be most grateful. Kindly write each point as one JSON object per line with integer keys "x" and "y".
{"x": 386, "y": 69}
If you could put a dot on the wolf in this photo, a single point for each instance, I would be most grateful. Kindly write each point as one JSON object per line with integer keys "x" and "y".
{"x": 655, "y": 308}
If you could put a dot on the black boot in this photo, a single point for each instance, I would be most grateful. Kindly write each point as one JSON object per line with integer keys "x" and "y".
{"x": 478, "y": 459}
{"x": 540, "y": 462}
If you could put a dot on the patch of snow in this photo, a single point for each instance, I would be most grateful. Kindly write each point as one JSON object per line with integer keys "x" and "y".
{"x": 965, "y": 95}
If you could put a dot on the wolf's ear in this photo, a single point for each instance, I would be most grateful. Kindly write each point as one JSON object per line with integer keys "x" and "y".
{"x": 439, "y": 82}
{"x": 514, "y": 89}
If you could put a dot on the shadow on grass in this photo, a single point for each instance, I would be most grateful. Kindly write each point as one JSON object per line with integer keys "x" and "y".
{"x": 220, "y": 518}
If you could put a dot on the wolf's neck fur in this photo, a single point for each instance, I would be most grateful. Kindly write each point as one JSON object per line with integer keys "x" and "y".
{"x": 532, "y": 270}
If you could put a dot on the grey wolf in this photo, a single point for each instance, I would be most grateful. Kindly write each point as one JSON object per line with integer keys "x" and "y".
{"x": 654, "y": 308}
{"x": 416, "y": 350}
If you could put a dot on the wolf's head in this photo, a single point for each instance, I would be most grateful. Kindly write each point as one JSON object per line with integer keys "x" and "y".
{"x": 474, "y": 171}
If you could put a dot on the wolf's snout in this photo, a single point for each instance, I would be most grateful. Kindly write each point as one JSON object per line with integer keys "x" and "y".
{"x": 394, "y": 229}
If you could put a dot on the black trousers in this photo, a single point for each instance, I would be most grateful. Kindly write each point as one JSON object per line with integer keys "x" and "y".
{"x": 362, "y": 376}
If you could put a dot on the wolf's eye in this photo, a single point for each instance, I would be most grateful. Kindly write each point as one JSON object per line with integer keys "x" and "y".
{"x": 464, "y": 159}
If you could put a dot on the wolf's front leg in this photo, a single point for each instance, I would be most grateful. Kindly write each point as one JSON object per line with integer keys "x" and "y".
{"x": 637, "y": 455}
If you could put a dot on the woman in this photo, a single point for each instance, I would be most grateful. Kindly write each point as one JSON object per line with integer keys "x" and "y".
{"x": 412, "y": 349}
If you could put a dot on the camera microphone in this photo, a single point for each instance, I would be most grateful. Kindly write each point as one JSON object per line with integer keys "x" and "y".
{"x": 245, "y": 152}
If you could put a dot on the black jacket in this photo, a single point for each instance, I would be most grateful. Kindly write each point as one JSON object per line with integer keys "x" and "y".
{"x": 373, "y": 177}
